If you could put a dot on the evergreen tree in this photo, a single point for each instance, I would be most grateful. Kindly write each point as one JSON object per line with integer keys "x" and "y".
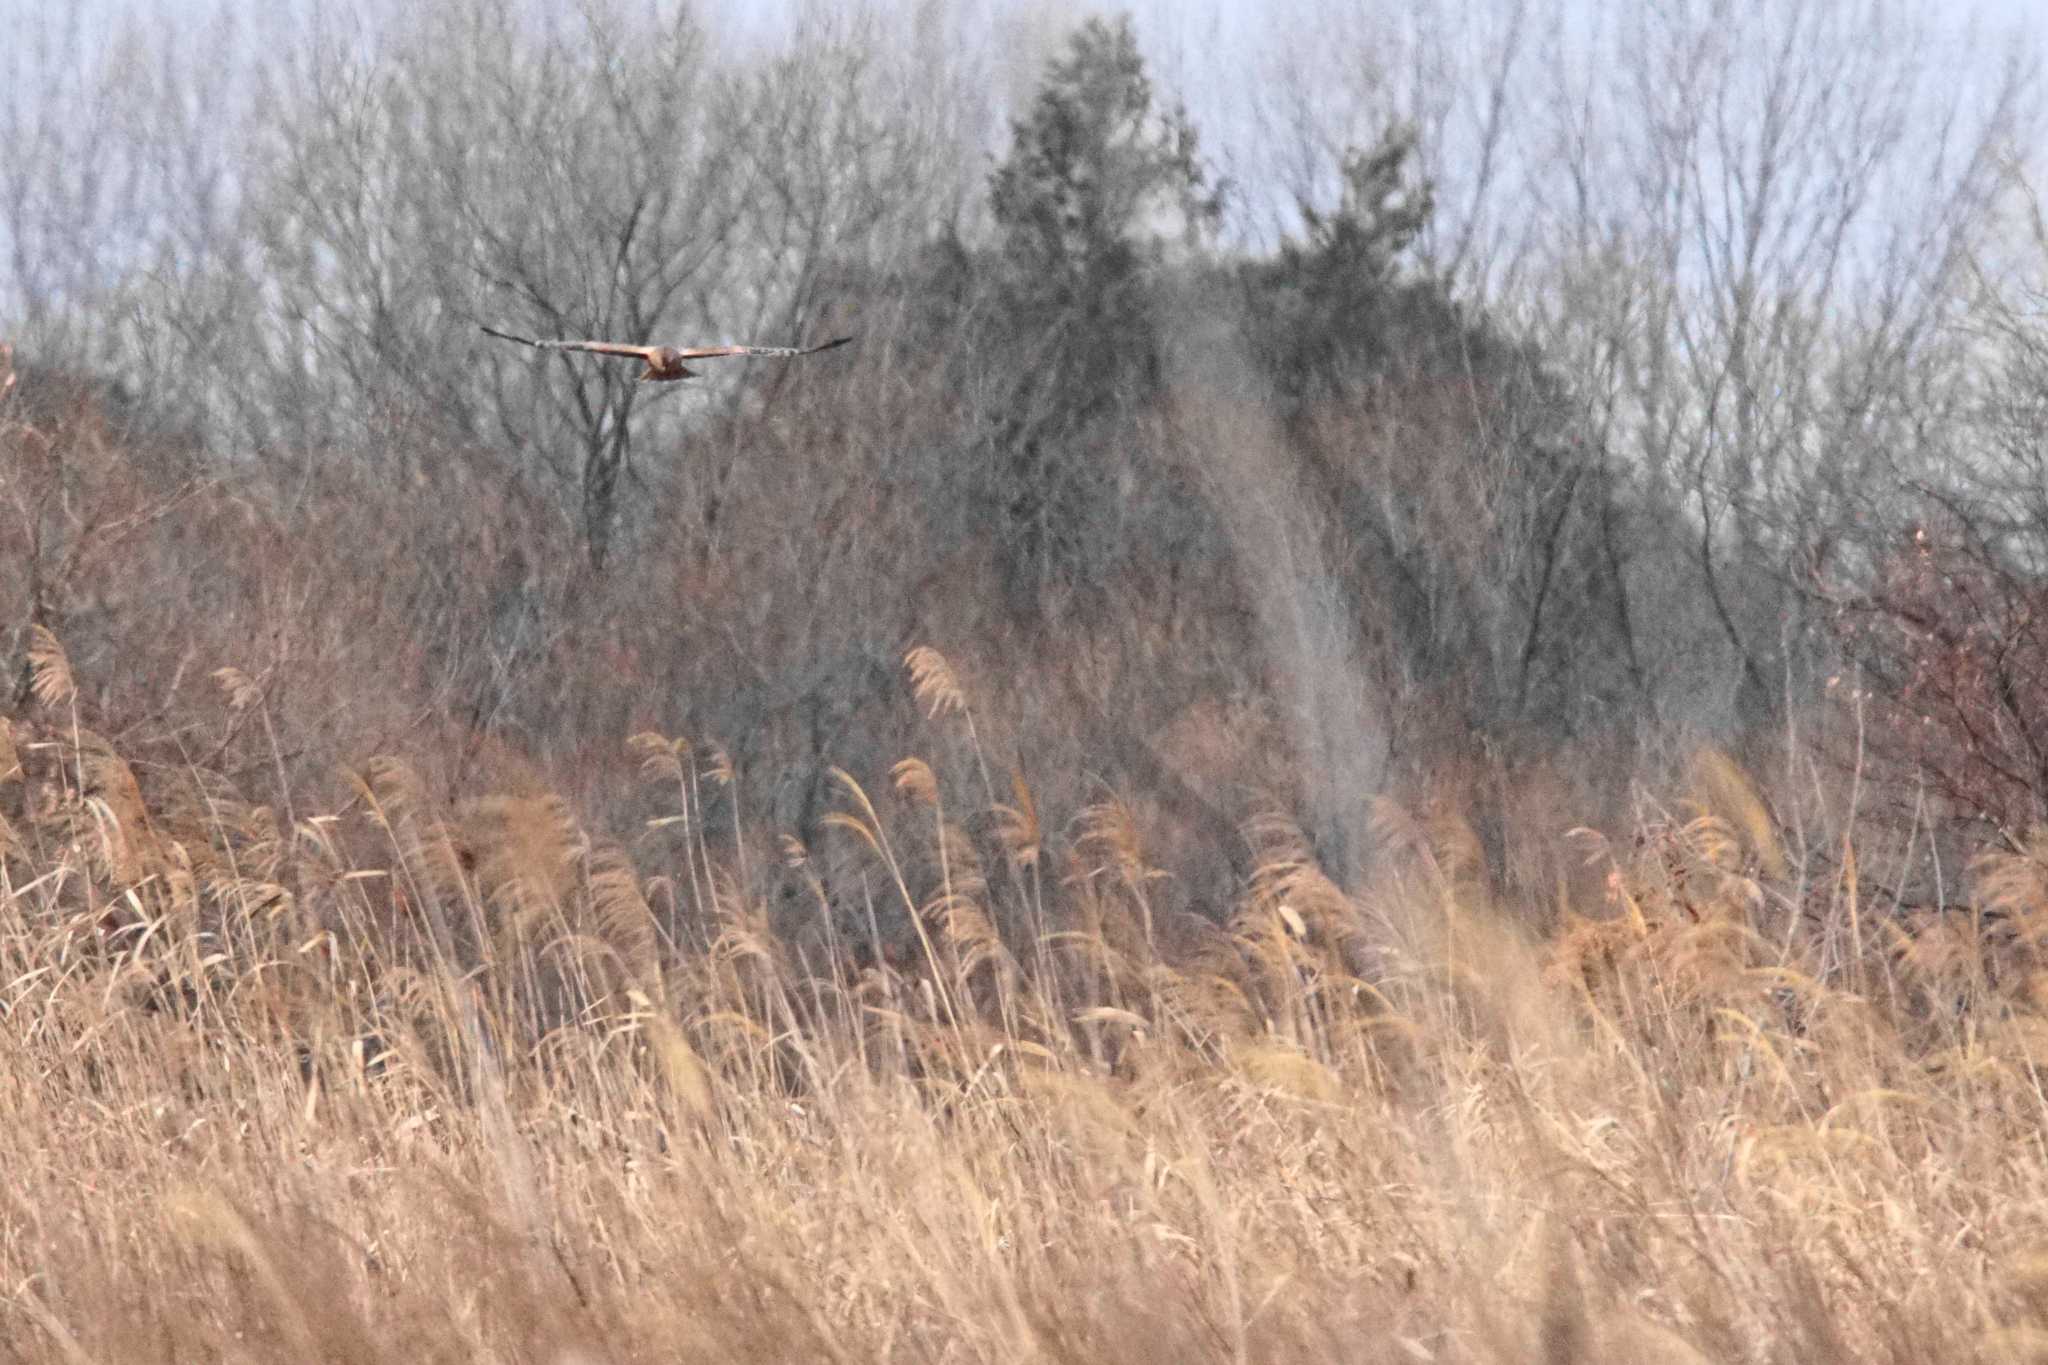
{"x": 1095, "y": 186}
{"x": 1335, "y": 305}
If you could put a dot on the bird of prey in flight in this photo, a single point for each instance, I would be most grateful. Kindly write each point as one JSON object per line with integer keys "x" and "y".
{"x": 665, "y": 362}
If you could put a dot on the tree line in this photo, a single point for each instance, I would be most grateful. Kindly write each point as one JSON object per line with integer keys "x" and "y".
{"x": 1600, "y": 392}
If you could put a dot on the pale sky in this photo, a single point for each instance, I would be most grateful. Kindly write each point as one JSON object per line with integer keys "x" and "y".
{"x": 1233, "y": 62}
{"x": 1204, "y": 49}
{"x": 1249, "y": 71}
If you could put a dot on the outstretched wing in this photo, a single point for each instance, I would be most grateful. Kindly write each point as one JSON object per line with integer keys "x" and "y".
{"x": 714, "y": 352}
{"x": 599, "y": 347}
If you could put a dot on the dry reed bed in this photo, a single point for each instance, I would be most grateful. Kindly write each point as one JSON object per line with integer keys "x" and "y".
{"x": 400, "y": 1083}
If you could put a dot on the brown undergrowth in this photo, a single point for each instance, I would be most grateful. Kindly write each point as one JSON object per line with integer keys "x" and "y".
{"x": 415, "y": 1082}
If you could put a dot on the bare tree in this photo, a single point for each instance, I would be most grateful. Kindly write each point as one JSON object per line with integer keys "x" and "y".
{"x": 1736, "y": 229}
{"x": 581, "y": 175}
{"x": 1757, "y": 230}
{"x": 118, "y": 185}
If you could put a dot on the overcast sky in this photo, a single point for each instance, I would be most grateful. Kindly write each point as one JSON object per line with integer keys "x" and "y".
{"x": 1230, "y": 59}
{"x": 1215, "y": 53}
{"x": 1202, "y": 45}
{"x": 1235, "y": 63}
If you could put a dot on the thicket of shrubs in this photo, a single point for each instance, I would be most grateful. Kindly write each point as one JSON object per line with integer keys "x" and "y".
{"x": 1208, "y": 526}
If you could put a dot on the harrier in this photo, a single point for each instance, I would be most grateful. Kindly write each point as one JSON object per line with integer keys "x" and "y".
{"x": 665, "y": 362}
